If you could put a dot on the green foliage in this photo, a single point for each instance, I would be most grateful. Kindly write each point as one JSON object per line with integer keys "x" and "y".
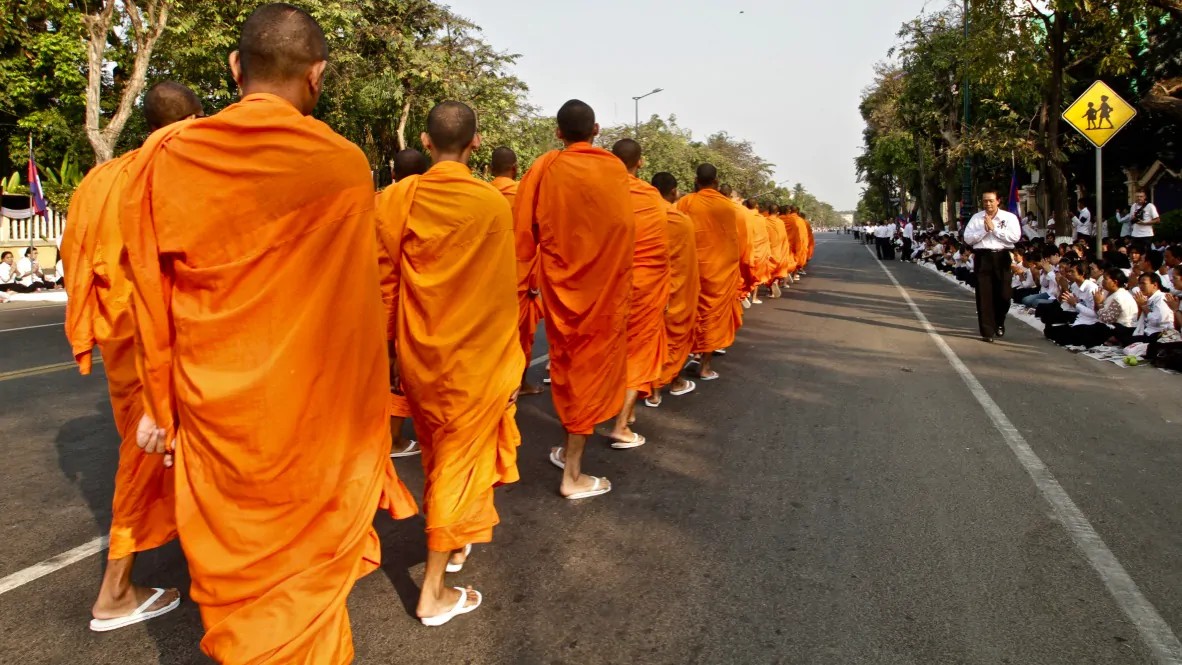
{"x": 12, "y": 184}
{"x": 1170, "y": 227}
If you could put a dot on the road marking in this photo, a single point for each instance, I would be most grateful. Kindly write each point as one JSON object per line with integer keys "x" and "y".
{"x": 46, "y": 325}
{"x": 44, "y": 369}
{"x": 539, "y": 360}
{"x": 1154, "y": 630}
{"x": 52, "y": 564}
{"x": 25, "y": 309}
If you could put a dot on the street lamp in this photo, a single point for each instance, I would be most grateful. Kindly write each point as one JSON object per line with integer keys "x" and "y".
{"x": 966, "y": 194}
{"x": 637, "y": 100}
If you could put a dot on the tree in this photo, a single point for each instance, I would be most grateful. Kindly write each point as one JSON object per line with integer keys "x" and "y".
{"x": 143, "y": 23}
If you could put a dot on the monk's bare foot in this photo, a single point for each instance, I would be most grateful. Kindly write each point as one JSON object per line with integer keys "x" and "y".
{"x": 584, "y": 484}
{"x": 459, "y": 557}
{"x": 112, "y": 607}
{"x": 679, "y": 385}
{"x": 433, "y": 606}
{"x": 530, "y": 389}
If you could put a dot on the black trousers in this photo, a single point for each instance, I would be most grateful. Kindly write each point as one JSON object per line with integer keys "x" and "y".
{"x": 1090, "y": 335}
{"x": 906, "y": 249}
{"x": 880, "y": 248}
{"x": 994, "y": 289}
{"x": 1019, "y": 294}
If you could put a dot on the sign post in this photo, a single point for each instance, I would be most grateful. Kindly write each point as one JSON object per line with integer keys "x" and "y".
{"x": 1099, "y": 114}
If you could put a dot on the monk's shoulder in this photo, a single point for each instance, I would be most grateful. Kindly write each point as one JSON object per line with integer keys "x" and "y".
{"x": 340, "y": 152}
{"x": 490, "y": 198}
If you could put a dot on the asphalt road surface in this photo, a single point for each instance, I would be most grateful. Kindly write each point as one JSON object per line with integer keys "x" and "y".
{"x": 842, "y": 495}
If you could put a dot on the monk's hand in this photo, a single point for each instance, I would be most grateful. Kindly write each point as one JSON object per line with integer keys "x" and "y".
{"x": 513, "y": 396}
{"x": 149, "y": 437}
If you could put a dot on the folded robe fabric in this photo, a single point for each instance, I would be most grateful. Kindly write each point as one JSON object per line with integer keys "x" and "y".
{"x": 650, "y": 287}
{"x": 574, "y": 212}
{"x": 273, "y": 385}
{"x": 529, "y": 309}
{"x": 716, "y": 222}
{"x": 761, "y": 249}
{"x": 682, "y": 316}
{"x": 99, "y": 313}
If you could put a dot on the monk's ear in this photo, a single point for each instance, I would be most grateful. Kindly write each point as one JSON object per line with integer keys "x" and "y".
{"x": 558, "y": 134}
{"x": 236, "y": 70}
{"x": 316, "y": 78}
{"x": 425, "y": 139}
{"x": 476, "y": 141}
{"x": 595, "y": 132}
{"x": 640, "y": 164}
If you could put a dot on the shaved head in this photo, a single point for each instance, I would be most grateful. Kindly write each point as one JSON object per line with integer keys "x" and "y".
{"x": 629, "y": 152}
{"x": 409, "y": 162}
{"x": 451, "y": 127}
{"x": 504, "y": 160}
{"x": 706, "y": 176}
{"x": 576, "y": 121}
{"x": 666, "y": 184}
{"x": 726, "y": 190}
{"x": 279, "y": 43}
{"x": 168, "y": 102}
{"x": 750, "y": 203}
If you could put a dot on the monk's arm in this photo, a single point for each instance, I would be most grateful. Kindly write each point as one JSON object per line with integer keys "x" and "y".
{"x": 79, "y": 281}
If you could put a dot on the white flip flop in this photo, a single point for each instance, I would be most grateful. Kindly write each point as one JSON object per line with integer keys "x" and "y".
{"x": 720, "y": 352}
{"x": 595, "y": 490}
{"x": 412, "y": 449}
{"x": 457, "y": 567}
{"x": 636, "y": 442}
{"x": 556, "y": 460}
{"x": 456, "y": 611}
{"x": 690, "y": 386}
{"x": 651, "y": 404}
{"x": 140, "y": 614}
{"x": 709, "y": 377}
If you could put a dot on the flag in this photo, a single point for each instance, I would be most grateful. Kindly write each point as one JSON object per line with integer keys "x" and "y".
{"x": 1013, "y": 207}
{"x": 35, "y": 192}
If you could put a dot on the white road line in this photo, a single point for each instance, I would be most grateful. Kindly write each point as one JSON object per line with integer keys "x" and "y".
{"x": 37, "y": 571}
{"x": 25, "y": 309}
{"x": 46, "y": 325}
{"x": 539, "y": 360}
{"x": 1154, "y": 630}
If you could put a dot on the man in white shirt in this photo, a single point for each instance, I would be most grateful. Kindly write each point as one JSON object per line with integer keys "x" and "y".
{"x": 1082, "y": 223}
{"x": 29, "y": 274}
{"x": 1030, "y": 227}
{"x": 908, "y": 237}
{"x": 1156, "y": 316}
{"x": 992, "y": 233}
{"x": 1142, "y": 217}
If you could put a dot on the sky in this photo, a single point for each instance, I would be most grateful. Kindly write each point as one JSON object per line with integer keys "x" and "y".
{"x": 786, "y": 75}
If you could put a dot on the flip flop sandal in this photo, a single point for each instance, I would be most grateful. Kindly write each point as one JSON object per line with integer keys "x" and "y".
{"x": 708, "y": 377}
{"x": 596, "y": 490}
{"x": 456, "y": 611}
{"x": 636, "y": 442}
{"x": 411, "y": 450}
{"x": 139, "y": 615}
{"x": 720, "y": 352}
{"x": 556, "y": 459}
{"x": 648, "y": 402}
{"x": 457, "y": 567}
{"x": 688, "y": 389}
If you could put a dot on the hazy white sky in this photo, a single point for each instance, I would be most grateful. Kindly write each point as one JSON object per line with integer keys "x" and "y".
{"x": 783, "y": 74}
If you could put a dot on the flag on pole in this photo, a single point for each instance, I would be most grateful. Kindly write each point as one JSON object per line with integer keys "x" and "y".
{"x": 35, "y": 192}
{"x": 1013, "y": 207}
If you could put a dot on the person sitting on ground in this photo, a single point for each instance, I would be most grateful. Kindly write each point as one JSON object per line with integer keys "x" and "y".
{"x": 1045, "y": 274}
{"x": 1055, "y": 313}
{"x": 8, "y": 281}
{"x": 1079, "y": 302}
{"x": 29, "y": 272}
{"x": 1156, "y": 316}
{"x": 1115, "y": 313}
{"x": 1023, "y": 282}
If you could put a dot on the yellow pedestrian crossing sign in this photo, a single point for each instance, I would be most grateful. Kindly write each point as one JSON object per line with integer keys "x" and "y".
{"x": 1099, "y": 114}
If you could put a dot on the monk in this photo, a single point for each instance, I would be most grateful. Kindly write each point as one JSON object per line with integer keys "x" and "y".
{"x": 746, "y": 241}
{"x": 407, "y": 162}
{"x": 574, "y": 210}
{"x": 529, "y": 309}
{"x": 650, "y": 293}
{"x": 778, "y": 240}
{"x": 812, "y": 238}
{"x": 266, "y": 391}
{"x": 761, "y": 250}
{"x": 457, "y": 352}
{"x": 796, "y": 241}
{"x": 99, "y": 313}
{"x": 716, "y": 223}
{"x": 681, "y": 317}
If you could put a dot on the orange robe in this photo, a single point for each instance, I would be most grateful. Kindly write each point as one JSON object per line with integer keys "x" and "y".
{"x": 684, "y": 286}
{"x": 778, "y": 243}
{"x": 745, "y": 234}
{"x": 761, "y": 249}
{"x": 99, "y": 313}
{"x": 399, "y": 407}
{"x": 716, "y": 222}
{"x": 459, "y": 356}
{"x": 574, "y": 211}
{"x": 812, "y": 238}
{"x": 273, "y": 385}
{"x": 796, "y": 242}
{"x": 529, "y": 310}
{"x": 650, "y": 287}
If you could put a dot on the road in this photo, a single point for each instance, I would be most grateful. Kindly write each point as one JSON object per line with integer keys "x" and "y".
{"x": 840, "y": 496}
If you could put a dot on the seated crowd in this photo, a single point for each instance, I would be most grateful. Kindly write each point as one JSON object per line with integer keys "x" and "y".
{"x": 1131, "y": 295}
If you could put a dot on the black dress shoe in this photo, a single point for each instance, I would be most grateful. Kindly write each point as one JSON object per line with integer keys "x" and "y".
{"x": 987, "y": 339}
{"x": 1001, "y": 331}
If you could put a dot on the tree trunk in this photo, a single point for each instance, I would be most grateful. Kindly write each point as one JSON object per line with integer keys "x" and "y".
{"x": 144, "y": 34}
{"x": 402, "y": 122}
{"x": 1053, "y": 98}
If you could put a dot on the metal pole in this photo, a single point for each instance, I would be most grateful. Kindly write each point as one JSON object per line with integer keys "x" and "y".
{"x": 1098, "y": 214}
{"x": 637, "y": 100}
{"x": 966, "y": 194}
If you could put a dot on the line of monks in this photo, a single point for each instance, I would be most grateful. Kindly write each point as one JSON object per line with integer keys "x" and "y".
{"x": 256, "y": 407}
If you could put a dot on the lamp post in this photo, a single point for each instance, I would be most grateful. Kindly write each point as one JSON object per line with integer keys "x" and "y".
{"x": 966, "y": 195}
{"x": 637, "y": 100}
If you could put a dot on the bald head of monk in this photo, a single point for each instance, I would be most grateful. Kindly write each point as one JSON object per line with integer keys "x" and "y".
{"x": 576, "y": 123}
{"x": 706, "y": 177}
{"x": 409, "y": 162}
{"x": 282, "y": 51}
{"x": 504, "y": 163}
{"x": 666, "y": 184}
{"x": 168, "y": 102}
{"x": 629, "y": 152}
{"x": 451, "y": 132}
{"x": 750, "y": 204}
